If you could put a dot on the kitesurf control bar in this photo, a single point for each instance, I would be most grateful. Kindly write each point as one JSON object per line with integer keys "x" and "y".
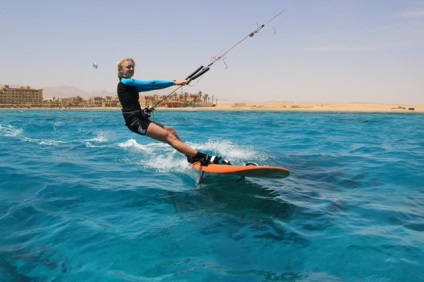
{"x": 196, "y": 71}
{"x": 199, "y": 72}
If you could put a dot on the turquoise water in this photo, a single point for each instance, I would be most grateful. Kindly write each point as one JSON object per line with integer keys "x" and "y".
{"x": 82, "y": 198}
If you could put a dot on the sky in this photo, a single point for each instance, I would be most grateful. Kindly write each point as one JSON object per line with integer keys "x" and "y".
{"x": 315, "y": 51}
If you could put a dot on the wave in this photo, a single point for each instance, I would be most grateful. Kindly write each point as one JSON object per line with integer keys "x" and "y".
{"x": 10, "y": 131}
{"x": 101, "y": 137}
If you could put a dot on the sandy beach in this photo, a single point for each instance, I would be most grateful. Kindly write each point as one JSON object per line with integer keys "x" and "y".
{"x": 288, "y": 106}
{"x": 301, "y": 106}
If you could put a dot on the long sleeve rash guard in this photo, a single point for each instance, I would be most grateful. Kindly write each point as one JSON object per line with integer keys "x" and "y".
{"x": 129, "y": 88}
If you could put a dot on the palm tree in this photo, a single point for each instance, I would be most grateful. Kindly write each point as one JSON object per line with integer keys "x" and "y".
{"x": 200, "y": 95}
{"x": 185, "y": 98}
{"x": 79, "y": 100}
{"x": 108, "y": 99}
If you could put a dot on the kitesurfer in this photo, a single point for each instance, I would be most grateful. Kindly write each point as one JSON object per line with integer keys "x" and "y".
{"x": 137, "y": 120}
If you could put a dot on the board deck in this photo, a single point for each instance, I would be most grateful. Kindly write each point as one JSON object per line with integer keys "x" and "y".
{"x": 244, "y": 170}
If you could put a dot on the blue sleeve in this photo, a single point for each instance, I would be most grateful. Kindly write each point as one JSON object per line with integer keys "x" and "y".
{"x": 147, "y": 85}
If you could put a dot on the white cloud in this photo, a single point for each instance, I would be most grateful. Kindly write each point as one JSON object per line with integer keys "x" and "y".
{"x": 412, "y": 14}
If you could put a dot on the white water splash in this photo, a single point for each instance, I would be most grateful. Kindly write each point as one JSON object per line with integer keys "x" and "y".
{"x": 101, "y": 137}
{"x": 10, "y": 131}
{"x": 164, "y": 158}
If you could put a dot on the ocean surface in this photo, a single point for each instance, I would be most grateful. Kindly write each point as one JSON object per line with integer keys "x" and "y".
{"x": 84, "y": 199}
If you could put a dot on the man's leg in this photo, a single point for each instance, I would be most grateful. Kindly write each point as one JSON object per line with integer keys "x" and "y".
{"x": 168, "y": 135}
{"x": 158, "y": 132}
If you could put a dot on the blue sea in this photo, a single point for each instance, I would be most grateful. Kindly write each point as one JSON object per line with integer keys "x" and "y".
{"x": 84, "y": 199}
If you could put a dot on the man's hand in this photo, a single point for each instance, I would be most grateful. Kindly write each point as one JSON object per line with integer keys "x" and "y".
{"x": 180, "y": 82}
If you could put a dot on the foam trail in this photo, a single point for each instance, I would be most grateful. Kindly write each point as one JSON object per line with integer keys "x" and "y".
{"x": 10, "y": 131}
{"x": 132, "y": 144}
{"x": 101, "y": 137}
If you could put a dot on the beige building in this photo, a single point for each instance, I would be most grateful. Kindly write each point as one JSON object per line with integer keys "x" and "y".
{"x": 22, "y": 96}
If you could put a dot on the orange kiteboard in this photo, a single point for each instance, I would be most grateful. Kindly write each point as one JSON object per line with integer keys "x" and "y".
{"x": 248, "y": 170}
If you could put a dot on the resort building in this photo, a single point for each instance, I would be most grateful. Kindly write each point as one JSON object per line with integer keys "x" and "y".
{"x": 22, "y": 96}
{"x": 174, "y": 101}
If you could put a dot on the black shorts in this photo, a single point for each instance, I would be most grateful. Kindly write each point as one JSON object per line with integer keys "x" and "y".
{"x": 137, "y": 121}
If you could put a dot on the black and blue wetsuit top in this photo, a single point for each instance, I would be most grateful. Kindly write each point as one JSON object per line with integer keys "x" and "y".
{"x": 129, "y": 88}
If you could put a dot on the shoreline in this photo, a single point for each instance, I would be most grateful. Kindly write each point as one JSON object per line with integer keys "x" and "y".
{"x": 326, "y": 107}
{"x": 290, "y": 106}
{"x": 287, "y": 106}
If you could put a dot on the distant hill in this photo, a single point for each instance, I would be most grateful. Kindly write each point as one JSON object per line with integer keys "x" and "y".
{"x": 70, "y": 91}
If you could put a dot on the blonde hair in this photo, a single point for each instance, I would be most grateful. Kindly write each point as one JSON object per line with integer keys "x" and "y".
{"x": 119, "y": 64}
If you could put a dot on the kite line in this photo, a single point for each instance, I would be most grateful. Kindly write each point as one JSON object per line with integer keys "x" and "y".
{"x": 221, "y": 56}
